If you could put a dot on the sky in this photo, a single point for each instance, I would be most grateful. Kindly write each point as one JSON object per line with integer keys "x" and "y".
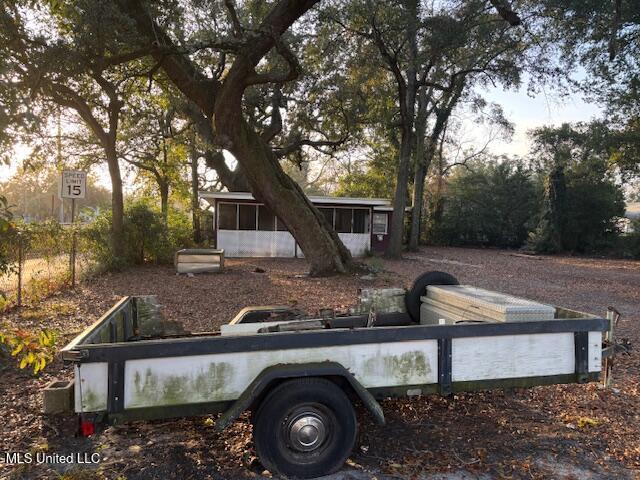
{"x": 524, "y": 111}
{"x": 527, "y": 113}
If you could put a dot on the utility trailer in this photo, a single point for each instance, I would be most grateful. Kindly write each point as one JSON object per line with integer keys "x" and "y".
{"x": 300, "y": 375}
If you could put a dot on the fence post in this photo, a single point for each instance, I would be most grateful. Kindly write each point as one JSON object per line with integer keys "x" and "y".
{"x": 20, "y": 262}
{"x": 73, "y": 244}
{"x": 73, "y": 258}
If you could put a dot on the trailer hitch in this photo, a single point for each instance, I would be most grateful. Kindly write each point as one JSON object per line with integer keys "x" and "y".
{"x": 612, "y": 346}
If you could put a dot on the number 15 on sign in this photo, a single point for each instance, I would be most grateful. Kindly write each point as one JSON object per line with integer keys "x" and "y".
{"x": 73, "y": 184}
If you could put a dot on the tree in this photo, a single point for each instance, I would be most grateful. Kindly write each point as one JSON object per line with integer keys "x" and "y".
{"x": 73, "y": 67}
{"x": 154, "y": 140}
{"x": 603, "y": 38}
{"x": 428, "y": 52}
{"x": 582, "y": 201}
{"x": 250, "y": 39}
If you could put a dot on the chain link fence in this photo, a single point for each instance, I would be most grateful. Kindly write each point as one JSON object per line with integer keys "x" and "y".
{"x": 43, "y": 258}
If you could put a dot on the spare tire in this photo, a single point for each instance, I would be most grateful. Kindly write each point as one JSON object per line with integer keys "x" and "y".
{"x": 419, "y": 289}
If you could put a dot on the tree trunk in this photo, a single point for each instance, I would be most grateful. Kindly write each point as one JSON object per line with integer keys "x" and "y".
{"x": 195, "y": 202}
{"x": 163, "y": 186}
{"x": 117, "y": 202}
{"x": 400, "y": 198}
{"x": 320, "y": 243}
{"x": 421, "y": 167}
{"x": 425, "y": 154}
{"x": 222, "y": 103}
{"x": 424, "y": 157}
{"x": 406, "y": 98}
{"x": 233, "y": 180}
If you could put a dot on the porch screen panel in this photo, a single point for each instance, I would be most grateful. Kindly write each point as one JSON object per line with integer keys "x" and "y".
{"x": 328, "y": 214}
{"x": 227, "y": 216}
{"x": 360, "y": 220}
{"x": 343, "y": 220}
{"x": 246, "y": 217}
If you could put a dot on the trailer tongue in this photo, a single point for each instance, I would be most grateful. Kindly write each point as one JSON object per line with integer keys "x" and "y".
{"x": 300, "y": 374}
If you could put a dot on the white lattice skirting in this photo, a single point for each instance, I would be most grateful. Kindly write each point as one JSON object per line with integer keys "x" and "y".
{"x": 257, "y": 243}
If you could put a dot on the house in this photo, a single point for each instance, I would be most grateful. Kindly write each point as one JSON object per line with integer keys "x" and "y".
{"x": 244, "y": 227}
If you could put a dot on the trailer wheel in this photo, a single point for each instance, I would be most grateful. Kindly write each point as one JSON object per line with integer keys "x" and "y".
{"x": 305, "y": 428}
{"x": 418, "y": 289}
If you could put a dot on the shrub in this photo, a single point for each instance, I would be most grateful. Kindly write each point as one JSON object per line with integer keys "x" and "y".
{"x": 591, "y": 207}
{"x": 147, "y": 238}
{"x": 492, "y": 204}
{"x": 31, "y": 349}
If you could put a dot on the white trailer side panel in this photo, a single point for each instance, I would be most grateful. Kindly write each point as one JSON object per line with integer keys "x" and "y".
{"x": 512, "y": 356}
{"x": 595, "y": 351}
{"x": 91, "y": 387}
{"x": 223, "y": 377}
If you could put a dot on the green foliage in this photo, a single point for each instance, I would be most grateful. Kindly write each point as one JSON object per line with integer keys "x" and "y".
{"x": 376, "y": 181}
{"x": 582, "y": 202}
{"x": 552, "y": 227}
{"x": 31, "y": 349}
{"x": 147, "y": 238}
{"x": 594, "y": 206}
{"x": 7, "y": 232}
{"x": 492, "y": 204}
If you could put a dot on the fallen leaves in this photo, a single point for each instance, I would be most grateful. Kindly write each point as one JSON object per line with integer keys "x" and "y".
{"x": 514, "y": 434}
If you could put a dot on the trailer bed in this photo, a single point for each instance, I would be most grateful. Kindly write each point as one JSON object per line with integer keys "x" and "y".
{"x": 124, "y": 376}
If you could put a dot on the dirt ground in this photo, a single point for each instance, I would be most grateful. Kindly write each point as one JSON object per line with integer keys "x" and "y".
{"x": 561, "y": 432}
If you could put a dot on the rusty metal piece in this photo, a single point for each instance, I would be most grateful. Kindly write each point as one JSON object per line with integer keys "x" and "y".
{"x": 612, "y": 346}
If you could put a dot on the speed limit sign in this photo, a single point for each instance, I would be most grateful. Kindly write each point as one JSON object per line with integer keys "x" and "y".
{"x": 73, "y": 184}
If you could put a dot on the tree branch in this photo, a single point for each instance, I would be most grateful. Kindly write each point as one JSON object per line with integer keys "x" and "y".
{"x": 66, "y": 97}
{"x": 178, "y": 67}
{"x": 233, "y": 16}
{"x": 275, "y": 127}
{"x": 317, "y": 145}
{"x": 506, "y": 12}
{"x": 294, "y": 68}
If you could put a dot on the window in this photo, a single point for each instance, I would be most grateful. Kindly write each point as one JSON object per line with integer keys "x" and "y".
{"x": 227, "y": 216}
{"x": 343, "y": 220}
{"x": 360, "y": 220}
{"x": 246, "y": 217}
{"x": 266, "y": 219}
{"x": 380, "y": 223}
{"x": 328, "y": 214}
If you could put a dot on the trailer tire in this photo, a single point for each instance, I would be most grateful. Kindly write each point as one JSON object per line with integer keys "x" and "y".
{"x": 412, "y": 297}
{"x": 305, "y": 428}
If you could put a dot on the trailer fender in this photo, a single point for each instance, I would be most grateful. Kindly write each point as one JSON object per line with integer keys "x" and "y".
{"x": 273, "y": 374}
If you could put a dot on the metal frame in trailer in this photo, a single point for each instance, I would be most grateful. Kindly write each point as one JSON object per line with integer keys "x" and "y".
{"x": 300, "y": 382}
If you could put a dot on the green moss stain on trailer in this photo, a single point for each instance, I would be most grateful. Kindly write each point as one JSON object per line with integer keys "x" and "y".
{"x": 406, "y": 368}
{"x": 91, "y": 402}
{"x": 159, "y": 390}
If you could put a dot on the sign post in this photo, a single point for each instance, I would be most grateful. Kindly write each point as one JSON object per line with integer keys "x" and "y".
{"x": 73, "y": 184}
